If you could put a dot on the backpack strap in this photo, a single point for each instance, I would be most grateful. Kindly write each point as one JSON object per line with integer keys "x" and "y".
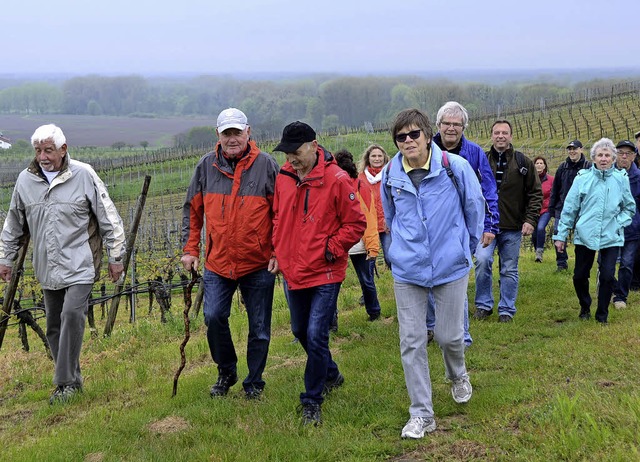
{"x": 521, "y": 163}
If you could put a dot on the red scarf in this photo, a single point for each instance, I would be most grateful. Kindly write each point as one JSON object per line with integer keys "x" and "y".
{"x": 374, "y": 171}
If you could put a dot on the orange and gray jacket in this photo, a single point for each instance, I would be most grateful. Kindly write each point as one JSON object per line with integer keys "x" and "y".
{"x": 68, "y": 220}
{"x": 237, "y": 207}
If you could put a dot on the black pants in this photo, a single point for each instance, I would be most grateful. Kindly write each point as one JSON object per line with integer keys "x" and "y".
{"x": 607, "y": 267}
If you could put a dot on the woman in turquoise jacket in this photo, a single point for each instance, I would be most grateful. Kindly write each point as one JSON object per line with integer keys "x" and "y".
{"x": 598, "y": 207}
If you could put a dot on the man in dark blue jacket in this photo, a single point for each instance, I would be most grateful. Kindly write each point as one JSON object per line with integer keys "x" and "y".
{"x": 562, "y": 182}
{"x": 626, "y": 160}
{"x": 451, "y": 120}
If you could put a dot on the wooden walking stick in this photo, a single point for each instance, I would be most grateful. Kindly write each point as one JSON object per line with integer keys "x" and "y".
{"x": 131, "y": 240}
{"x": 10, "y": 293}
{"x": 187, "y": 323}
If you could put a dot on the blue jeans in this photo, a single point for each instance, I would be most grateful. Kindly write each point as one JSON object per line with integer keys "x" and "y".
{"x": 607, "y": 267}
{"x": 411, "y": 301}
{"x": 539, "y": 236}
{"x": 508, "y": 243}
{"x": 364, "y": 271}
{"x": 625, "y": 271}
{"x": 431, "y": 317}
{"x": 311, "y": 312}
{"x": 257, "y": 292}
{"x": 385, "y": 242}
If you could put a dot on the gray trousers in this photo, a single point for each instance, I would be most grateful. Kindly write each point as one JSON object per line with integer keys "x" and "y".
{"x": 411, "y": 302}
{"x": 66, "y": 318}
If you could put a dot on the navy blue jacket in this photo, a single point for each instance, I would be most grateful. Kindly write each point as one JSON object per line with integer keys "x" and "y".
{"x": 477, "y": 158}
{"x": 632, "y": 232}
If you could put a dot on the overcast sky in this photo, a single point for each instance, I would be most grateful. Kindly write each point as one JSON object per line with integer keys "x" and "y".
{"x": 376, "y": 36}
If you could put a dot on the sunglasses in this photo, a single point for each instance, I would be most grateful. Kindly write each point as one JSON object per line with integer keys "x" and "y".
{"x": 402, "y": 137}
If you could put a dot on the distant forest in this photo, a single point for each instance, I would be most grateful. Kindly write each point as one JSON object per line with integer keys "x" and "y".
{"x": 325, "y": 102}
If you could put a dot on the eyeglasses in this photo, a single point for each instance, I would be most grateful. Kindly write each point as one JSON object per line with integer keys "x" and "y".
{"x": 451, "y": 124}
{"x": 626, "y": 153}
{"x": 402, "y": 137}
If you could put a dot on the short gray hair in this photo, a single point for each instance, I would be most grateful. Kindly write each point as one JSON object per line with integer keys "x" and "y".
{"x": 604, "y": 143}
{"x": 452, "y": 109}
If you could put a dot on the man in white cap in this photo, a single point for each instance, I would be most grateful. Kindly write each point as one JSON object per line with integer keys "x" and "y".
{"x": 232, "y": 188}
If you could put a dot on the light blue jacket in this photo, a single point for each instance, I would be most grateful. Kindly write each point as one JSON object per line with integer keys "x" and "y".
{"x": 434, "y": 228}
{"x": 598, "y": 207}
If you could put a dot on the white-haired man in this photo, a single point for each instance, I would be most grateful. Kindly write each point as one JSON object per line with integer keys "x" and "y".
{"x": 66, "y": 209}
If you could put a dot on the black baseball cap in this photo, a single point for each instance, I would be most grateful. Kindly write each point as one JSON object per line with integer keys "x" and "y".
{"x": 575, "y": 144}
{"x": 626, "y": 144}
{"x": 295, "y": 135}
{"x": 637, "y": 135}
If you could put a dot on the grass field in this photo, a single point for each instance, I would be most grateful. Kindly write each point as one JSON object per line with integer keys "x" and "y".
{"x": 547, "y": 387}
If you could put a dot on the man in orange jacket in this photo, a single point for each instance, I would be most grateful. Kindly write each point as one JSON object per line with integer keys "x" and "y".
{"x": 232, "y": 188}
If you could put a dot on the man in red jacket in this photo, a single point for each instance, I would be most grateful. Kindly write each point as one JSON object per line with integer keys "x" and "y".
{"x": 317, "y": 220}
{"x": 232, "y": 188}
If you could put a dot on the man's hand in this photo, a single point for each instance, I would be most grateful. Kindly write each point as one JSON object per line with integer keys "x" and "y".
{"x": 559, "y": 245}
{"x": 487, "y": 238}
{"x": 190, "y": 262}
{"x": 527, "y": 229}
{"x": 5, "y": 273}
{"x": 273, "y": 266}
{"x": 115, "y": 271}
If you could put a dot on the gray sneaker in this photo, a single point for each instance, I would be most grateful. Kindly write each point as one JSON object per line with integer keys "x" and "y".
{"x": 64, "y": 393}
{"x": 461, "y": 389}
{"x": 417, "y": 426}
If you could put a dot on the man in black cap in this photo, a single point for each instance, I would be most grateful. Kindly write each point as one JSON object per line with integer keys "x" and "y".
{"x": 626, "y": 160}
{"x": 317, "y": 219}
{"x": 562, "y": 182}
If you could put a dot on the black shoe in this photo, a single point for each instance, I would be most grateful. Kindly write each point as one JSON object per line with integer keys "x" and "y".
{"x": 64, "y": 393}
{"x": 311, "y": 414}
{"x": 584, "y": 315}
{"x": 482, "y": 314}
{"x": 505, "y": 318}
{"x": 429, "y": 336}
{"x": 330, "y": 385}
{"x": 562, "y": 269}
{"x": 361, "y": 301}
{"x": 374, "y": 316}
{"x": 253, "y": 393}
{"x": 221, "y": 387}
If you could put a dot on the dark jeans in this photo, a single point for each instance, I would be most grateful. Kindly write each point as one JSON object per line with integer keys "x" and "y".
{"x": 257, "y": 292}
{"x": 311, "y": 312}
{"x": 625, "y": 270}
{"x": 607, "y": 267}
{"x": 562, "y": 258}
{"x": 539, "y": 237}
{"x": 365, "y": 272}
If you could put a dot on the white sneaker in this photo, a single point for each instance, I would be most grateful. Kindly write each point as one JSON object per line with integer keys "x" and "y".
{"x": 620, "y": 305}
{"x": 417, "y": 426}
{"x": 461, "y": 389}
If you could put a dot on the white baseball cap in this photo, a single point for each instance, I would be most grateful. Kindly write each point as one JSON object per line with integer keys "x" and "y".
{"x": 231, "y": 118}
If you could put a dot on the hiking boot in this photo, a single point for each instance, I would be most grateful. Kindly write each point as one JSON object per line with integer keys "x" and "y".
{"x": 584, "y": 315}
{"x": 221, "y": 387}
{"x": 539, "y": 255}
{"x": 253, "y": 393}
{"x": 64, "y": 393}
{"x": 619, "y": 304}
{"x": 330, "y": 385}
{"x": 311, "y": 414}
{"x": 505, "y": 318}
{"x": 374, "y": 316}
{"x": 562, "y": 269}
{"x": 482, "y": 314}
{"x": 461, "y": 390}
{"x": 429, "y": 336}
{"x": 417, "y": 426}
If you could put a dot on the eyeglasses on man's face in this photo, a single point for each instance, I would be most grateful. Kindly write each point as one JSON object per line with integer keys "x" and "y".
{"x": 402, "y": 137}
{"x": 446, "y": 125}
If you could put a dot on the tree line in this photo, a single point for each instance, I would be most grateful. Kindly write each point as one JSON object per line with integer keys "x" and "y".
{"x": 325, "y": 102}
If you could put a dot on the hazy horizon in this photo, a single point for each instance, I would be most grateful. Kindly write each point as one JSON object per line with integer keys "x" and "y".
{"x": 279, "y": 37}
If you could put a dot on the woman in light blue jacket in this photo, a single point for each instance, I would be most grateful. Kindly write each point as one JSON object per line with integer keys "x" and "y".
{"x": 434, "y": 208}
{"x": 598, "y": 207}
